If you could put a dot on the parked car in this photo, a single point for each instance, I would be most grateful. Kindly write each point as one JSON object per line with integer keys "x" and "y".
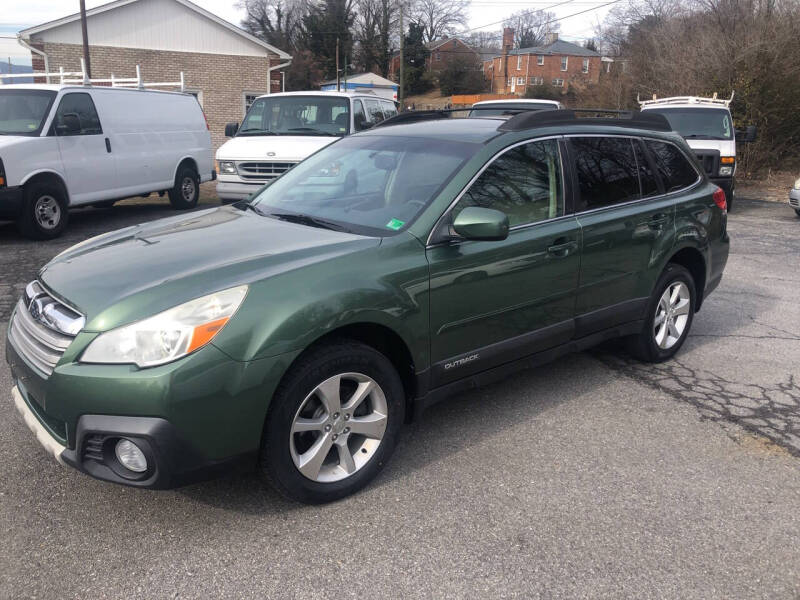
{"x": 280, "y": 130}
{"x": 63, "y": 146}
{"x": 392, "y": 268}
{"x": 707, "y": 125}
{"x": 496, "y": 108}
{"x": 794, "y": 197}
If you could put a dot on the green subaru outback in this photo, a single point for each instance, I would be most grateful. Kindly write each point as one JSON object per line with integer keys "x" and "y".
{"x": 301, "y": 329}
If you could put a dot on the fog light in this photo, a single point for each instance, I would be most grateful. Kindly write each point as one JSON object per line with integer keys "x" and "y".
{"x": 130, "y": 456}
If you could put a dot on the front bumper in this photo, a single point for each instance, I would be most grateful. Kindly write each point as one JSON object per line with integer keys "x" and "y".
{"x": 232, "y": 190}
{"x": 193, "y": 419}
{"x": 794, "y": 198}
{"x": 10, "y": 202}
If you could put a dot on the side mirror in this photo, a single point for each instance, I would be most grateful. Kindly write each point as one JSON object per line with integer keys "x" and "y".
{"x": 749, "y": 134}
{"x": 231, "y": 129}
{"x": 476, "y": 223}
{"x": 70, "y": 124}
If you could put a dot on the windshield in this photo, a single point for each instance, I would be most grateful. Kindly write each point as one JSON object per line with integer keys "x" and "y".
{"x": 506, "y": 108}
{"x": 699, "y": 123}
{"x": 371, "y": 185}
{"x": 23, "y": 112}
{"x": 297, "y": 115}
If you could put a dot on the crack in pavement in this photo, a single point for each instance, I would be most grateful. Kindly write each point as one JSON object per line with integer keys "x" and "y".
{"x": 771, "y": 411}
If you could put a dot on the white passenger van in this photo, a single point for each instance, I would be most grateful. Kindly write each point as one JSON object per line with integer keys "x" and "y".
{"x": 280, "y": 130}
{"x": 707, "y": 126}
{"x": 497, "y": 108}
{"x": 73, "y": 145}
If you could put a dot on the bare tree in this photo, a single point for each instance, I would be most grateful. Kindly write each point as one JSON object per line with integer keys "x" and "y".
{"x": 278, "y": 22}
{"x": 530, "y": 27}
{"x": 375, "y": 34}
{"x": 440, "y": 18}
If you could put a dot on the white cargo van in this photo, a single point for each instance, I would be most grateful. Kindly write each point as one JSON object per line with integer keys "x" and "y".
{"x": 707, "y": 126}
{"x": 72, "y": 145}
{"x": 280, "y": 130}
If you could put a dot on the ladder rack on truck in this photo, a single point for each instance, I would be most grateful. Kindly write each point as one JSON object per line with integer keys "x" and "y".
{"x": 81, "y": 78}
{"x": 686, "y": 100}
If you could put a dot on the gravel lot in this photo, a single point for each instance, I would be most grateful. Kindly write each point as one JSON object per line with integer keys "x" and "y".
{"x": 592, "y": 477}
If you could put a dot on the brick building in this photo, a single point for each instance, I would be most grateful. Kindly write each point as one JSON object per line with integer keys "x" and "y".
{"x": 556, "y": 62}
{"x": 223, "y": 66}
{"x": 442, "y": 53}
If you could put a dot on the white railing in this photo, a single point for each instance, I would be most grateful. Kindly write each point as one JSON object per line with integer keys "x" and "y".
{"x": 686, "y": 100}
{"x": 81, "y": 78}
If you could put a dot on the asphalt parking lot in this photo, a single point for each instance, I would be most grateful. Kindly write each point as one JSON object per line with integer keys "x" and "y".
{"x": 595, "y": 476}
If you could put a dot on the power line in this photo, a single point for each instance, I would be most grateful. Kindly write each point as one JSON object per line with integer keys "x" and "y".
{"x": 580, "y": 12}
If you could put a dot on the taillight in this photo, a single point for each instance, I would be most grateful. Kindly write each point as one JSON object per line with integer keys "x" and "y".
{"x": 719, "y": 199}
{"x": 205, "y": 119}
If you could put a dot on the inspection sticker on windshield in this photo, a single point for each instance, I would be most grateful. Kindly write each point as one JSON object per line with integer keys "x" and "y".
{"x": 395, "y": 224}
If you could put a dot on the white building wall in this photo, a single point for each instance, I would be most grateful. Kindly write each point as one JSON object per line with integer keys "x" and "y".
{"x": 155, "y": 25}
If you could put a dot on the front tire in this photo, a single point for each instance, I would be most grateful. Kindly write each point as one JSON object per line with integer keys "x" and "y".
{"x": 670, "y": 312}
{"x": 797, "y": 211}
{"x": 44, "y": 213}
{"x": 186, "y": 192}
{"x": 333, "y": 423}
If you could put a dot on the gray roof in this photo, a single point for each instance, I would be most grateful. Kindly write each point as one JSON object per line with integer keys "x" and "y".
{"x": 557, "y": 47}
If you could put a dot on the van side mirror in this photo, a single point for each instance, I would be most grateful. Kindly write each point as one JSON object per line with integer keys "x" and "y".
{"x": 70, "y": 124}
{"x": 749, "y": 134}
{"x": 476, "y": 223}
{"x": 231, "y": 129}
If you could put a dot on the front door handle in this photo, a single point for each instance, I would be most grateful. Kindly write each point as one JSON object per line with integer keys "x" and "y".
{"x": 562, "y": 248}
{"x": 108, "y": 145}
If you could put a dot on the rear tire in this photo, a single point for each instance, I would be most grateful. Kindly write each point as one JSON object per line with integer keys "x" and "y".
{"x": 797, "y": 211}
{"x": 187, "y": 189}
{"x": 670, "y": 312}
{"x": 44, "y": 213}
{"x": 316, "y": 403}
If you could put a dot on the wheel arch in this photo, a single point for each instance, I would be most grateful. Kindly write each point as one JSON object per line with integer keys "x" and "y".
{"x": 693, "y": 261}
{"x": 188, "y": 161}
{"x": 45, "y": 176}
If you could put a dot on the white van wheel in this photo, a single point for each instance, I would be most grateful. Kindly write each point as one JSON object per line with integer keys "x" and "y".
{"x": 187, "y": 189}
{"x": 44, "y": 212}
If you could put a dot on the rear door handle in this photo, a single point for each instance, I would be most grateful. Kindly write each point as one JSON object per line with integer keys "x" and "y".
{"x": 108, "y": 145}
{"x": 561, "y": 248}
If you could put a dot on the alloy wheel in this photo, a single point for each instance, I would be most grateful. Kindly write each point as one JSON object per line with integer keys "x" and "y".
{"x": 338, "y": 427}
{"x": 672, "y": 315}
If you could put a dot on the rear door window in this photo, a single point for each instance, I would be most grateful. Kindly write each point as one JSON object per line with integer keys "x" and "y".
{"x": 647, "y": 177}
{"x": 675, "y": 169}
{"x": 607, "y": 171}
{"x": 374, "y": 111}
{"x": 389, "y": 109}
{"x": 80, "y": 105}
{"x": 359, "y": 117}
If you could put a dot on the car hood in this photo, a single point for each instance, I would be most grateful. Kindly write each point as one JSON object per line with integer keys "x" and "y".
{"x": 272, "y": 147}
{"x": 125, "y": 275}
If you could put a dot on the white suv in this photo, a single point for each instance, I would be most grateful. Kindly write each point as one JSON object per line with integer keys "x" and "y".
{"x": 280, "y": 130}
{"x": 75, "y": 145}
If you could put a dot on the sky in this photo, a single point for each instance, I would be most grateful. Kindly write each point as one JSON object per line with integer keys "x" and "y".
{"x": 484, "y": 15}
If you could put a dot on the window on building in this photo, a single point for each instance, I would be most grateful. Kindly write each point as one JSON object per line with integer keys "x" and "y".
{"x": 607, "y": 171}
{"x": 510, "y": 81}
{"x": 558, "y": 82}
{"x": 437, "y": 56}
{"x": 525, "y": 183}
{"x": 520, "y": 81}
{"x": 540, "y": 59}
{"x": 585, "y": 68}
{"x": 536, "y": 80}
{"x": 248, "y": 98}
{"x": 519, "y": 61}
{"x": 564, "y": 62}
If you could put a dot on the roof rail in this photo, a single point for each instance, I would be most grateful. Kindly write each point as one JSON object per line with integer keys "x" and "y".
{"x": 414, "y": 116}
{"x": 81, "y": 78}
{"x": 686, "y": 100}
{"x": 617, "y": 118}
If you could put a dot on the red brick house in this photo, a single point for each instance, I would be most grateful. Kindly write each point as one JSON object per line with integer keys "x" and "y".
{"x": 442, "y": 53}
{"x": 556, "y": 62}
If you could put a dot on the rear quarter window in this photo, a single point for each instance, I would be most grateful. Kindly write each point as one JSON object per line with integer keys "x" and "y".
{"x": 673, "y": 166}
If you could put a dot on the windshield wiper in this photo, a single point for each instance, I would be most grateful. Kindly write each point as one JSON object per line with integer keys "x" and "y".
{"x": 302, "y": 219}
{"x": 253, "y": 131}
{"x": 314, "y": 131}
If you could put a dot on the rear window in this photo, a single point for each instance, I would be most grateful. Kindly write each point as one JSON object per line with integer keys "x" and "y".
{"x": 675, "y": 169}
{"x": 607, "y": 171}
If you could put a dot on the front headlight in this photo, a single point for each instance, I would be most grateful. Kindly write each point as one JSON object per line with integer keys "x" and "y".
{"x": 726, "y": 171}
{"x": 797, "y": 184}
{"x": 168, "y": 335}
{"x": 227, "y": 167}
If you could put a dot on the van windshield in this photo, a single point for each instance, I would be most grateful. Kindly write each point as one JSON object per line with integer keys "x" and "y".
{"x": 23, "y": 112}
{"x": 297, "y": 115}
{"x": 699, "y": 123}
{"x": 371, "y": 185}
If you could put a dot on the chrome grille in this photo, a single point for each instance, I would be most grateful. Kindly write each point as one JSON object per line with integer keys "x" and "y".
{"x": 263, "y": 171}
{"x": 42, "y": 328}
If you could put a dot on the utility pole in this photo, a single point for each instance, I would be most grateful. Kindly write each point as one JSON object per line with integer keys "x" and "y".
{"x": 345, "y": 72}
{"x": 401, "y": 92}
{"x": 85, "y": 40}
{"x": 338, "y": 88}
